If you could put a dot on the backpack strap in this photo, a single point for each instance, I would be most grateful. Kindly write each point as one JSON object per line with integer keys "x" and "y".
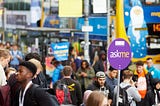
{"x": 125, "y": 88}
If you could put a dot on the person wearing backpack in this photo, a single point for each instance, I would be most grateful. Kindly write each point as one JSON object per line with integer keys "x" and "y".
{"x": 74, "y": 96}
{"x": 30, "y": 94}
{"x": 130, "y": 95}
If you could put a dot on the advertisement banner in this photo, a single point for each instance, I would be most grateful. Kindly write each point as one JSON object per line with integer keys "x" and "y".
{"x": 52, "y": 21}
{"x": 74, "y": 10}
{"x": 60, "y": 50}
{"x": 137, "y": 29}
{"x": 151, "y": 12}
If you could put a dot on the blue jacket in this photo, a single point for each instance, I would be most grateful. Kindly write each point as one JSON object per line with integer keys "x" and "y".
{"x": 57, "y": 73}
{"x": 154, "y": 72}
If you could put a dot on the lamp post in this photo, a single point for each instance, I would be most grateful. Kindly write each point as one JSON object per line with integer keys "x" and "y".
{"x": 108, "y": 29}
{"x": 86, "y": 35}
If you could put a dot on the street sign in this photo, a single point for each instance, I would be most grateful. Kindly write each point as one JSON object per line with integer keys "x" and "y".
{"x": 99, "y": 25}
{"x": 87, "y": 28}
{"x": 119, "y": 54}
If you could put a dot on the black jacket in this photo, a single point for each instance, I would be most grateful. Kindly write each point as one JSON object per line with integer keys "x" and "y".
{"x": 98, "y": 66}
{"x": 76, "y": 93}
{"x": 148, "y": 80}
{"x": 151, "y": 94}
{"x": 96, "y": 86}
{"x": 40, "y": 80}
{"x": 36, "y": 96}
{"x": 150, "y": 97}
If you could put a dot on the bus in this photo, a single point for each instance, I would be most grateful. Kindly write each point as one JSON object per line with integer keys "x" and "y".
{"x": 138, "y": 22}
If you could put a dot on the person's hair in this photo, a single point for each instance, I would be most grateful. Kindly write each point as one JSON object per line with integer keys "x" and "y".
{"x": 36, "y": 63}
{"x": 33, "y": 55}
{"x": 139, "y": 63}
{"x": 85, "y": 61}
{"x": 86, "y": 95}
{"x": 53, "y": 60}
{"x": 4, "y": 53}
{"x": 127, "y": 74}
{"x": 15, "y": 44}
{"x": 56, "y": 63}
{"x": 111, "y": 69}
{"x": 95, "y": 99}
{"x": 149, "y": 58}
{"x": 67, "y": 71}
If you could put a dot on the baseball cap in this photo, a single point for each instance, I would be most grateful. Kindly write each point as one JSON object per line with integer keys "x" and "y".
{"x": 100, "y": 74}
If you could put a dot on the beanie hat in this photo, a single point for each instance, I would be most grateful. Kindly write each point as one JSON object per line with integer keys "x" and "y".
{"x": 100, "y": 74}
{"x": 102, "y": 52}
{"x": 30, "y": 66}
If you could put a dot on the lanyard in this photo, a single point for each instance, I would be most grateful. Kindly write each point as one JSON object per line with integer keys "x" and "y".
{"x": 21, "y": 101}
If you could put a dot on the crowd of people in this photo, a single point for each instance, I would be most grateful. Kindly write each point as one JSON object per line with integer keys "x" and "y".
{"x": 89, "y": 84}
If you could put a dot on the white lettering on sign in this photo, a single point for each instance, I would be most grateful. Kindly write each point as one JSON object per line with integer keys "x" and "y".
{"x": 61, "y": 47}
{"x": 119, "y": 43}
{"x": 117, "y": 54}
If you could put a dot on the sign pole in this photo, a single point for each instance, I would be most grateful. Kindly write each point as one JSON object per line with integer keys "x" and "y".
{"x": 119, "y": 55}
{"x": 119, "y": 74}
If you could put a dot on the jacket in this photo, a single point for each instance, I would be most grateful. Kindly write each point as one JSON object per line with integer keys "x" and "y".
{"x": 40, "y": 80}
{"x": 35, "y": 96}
{"x": 85, "y": 80}
{"x": 96, "y": 86}
{"x": 98, "y": 66}
{"x": 131, "y": 92}
{"x": 57, "y": 73}
{"x": 148, "y": 78}
{"x": 154, "y": 72}
{"x": 151, "y": 94}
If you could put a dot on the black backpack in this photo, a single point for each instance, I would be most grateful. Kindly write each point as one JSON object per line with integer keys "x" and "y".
{"x": 123, "y": 96}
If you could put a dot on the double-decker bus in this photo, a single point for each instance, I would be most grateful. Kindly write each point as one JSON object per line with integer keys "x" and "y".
{"x": 138, "y": 22}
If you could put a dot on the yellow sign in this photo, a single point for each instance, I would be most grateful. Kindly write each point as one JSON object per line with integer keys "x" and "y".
{"x": 70, "y": 8}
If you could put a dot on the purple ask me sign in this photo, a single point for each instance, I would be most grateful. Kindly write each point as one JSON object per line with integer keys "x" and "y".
{"x": 119, "y": 54}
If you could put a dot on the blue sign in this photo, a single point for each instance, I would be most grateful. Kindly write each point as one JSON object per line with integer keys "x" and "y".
{"x": 99, "y": 25}
{"x": 119, "y": 54}
{"x": 52, "y": 21}
{"x": 152, "y": 13}
{"x": 60, "y": 50}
